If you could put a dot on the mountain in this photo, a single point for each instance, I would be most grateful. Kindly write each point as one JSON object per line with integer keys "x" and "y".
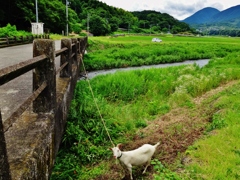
{"x": 213, "y": 17}
{"x": 202, "y": 16}
{"x": 227, "y": 15}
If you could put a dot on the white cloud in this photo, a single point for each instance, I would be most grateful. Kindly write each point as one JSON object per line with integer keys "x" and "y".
{"x": 218, "y": 6}
{"x": 180, "y": 9}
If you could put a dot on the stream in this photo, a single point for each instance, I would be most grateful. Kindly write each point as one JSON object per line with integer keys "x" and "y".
{"x": 200, "y": 63}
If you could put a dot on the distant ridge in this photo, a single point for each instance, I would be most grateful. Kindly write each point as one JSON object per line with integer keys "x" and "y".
{"x": 226, "y": 15}
{"x": 202, "y": 16}
{"x": 211, "y": 16}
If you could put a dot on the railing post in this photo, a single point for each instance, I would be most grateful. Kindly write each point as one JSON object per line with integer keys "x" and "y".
{"x": 45, "y": 72}
{"x": 74, "y": 49}
{"x": 15, "y": 39}
{"x": 7, "y": 40}
{"x": 83, "y": 45}
{"x": 4, "y": 165}
{"x": 79, "y": 43}
{"x": 66, "y": 57}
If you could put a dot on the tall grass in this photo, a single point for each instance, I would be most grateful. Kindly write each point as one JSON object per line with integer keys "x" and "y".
{"x": 128, "y": 101}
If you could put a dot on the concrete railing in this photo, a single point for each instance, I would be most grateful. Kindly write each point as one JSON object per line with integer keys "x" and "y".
{"x": 13, "y": 41}
{"x": 30, "y": 138}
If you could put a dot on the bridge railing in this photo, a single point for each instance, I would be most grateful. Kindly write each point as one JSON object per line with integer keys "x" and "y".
{"x": 14, "y": 40}
{"x": 43, "y": 98}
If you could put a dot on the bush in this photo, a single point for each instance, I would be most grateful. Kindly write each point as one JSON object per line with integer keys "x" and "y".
{"x": 10, "y": 31}
{"x": 76, "y": 28}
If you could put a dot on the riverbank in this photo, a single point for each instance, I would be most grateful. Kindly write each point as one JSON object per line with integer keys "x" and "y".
{"x": 200, "y": 63}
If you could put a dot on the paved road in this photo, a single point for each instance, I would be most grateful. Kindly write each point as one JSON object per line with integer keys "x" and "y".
{"x": 14, "y": 93}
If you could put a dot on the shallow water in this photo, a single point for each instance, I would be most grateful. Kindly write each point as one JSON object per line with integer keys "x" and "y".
{"x": 200, "y": 63}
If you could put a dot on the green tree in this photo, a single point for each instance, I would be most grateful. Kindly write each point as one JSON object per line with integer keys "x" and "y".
{"x": 175, "y": 29}
{"x": 76, "y": 28}
{"x": 114, "y": 23}
{"x": 165, "y": 30}
{"x": 51, "y": 13}
{"x": 98, "y": 25}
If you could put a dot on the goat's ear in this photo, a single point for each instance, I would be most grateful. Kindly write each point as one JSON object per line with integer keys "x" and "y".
{"x": 110, "y": 149}
{"x": 119, "y": 146}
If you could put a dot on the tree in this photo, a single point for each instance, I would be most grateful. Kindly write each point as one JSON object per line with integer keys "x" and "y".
{"x": 53, "y": 14}
{"x": 165, "y": 30}
{"x": 114, "y": 23}
{"x": 11, "y": 13}
{"x": 98, "y": 25}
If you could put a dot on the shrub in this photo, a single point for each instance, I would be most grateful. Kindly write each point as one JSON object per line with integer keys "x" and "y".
{"x": 76, "y": 28}
{"x": 10, "y": 31}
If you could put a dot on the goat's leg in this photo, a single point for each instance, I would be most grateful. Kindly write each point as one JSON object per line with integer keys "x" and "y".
{"x": 129, "y": 166}
{"x": 148, "y": 163}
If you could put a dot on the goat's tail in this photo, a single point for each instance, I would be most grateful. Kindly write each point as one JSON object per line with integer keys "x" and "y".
{"x": 156, "y": 144}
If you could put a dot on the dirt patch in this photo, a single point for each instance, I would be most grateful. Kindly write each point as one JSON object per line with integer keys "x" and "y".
{"x": 176, "y": 131}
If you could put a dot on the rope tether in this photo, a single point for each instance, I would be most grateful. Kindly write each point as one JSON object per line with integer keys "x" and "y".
{"x": 104, "y": 124}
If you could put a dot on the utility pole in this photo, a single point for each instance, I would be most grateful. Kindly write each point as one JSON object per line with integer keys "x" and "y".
{"x": 36, "y": 4}
{"x": 67, "y": 17}
{"x": 88, "y": 23}
{"x": 128, "y": 27}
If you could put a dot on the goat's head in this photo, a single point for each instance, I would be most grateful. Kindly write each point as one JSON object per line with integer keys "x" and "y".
{"x": 116, "y": 151}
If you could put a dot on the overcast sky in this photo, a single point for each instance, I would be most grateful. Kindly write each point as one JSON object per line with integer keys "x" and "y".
{"x": 180, "y": 9}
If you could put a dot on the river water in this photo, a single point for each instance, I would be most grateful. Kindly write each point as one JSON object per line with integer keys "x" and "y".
{"x": 200, "y": 63}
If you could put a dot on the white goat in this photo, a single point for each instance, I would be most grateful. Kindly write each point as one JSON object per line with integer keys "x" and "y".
{"x": 136, "y": 157}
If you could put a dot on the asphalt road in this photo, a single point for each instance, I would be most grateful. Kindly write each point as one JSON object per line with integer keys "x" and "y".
{"x": 15, "y": 92}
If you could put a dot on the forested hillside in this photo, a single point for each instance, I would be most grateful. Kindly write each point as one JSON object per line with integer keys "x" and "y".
{"x": 103, "y": 19}
{"x": 160, "y": 21}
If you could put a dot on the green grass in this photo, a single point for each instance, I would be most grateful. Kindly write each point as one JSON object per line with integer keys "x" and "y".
{"x": 56, "y": 36}
{"x": 106, "y": 53}
{"x": 130, "y": 100}
{"x": 59, "y": 37}
{"x": 217, "y": 156}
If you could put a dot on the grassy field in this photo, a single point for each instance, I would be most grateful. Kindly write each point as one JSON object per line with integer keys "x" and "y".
{"x": 109, "y": 52}
{"x": 192, "y": 111}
